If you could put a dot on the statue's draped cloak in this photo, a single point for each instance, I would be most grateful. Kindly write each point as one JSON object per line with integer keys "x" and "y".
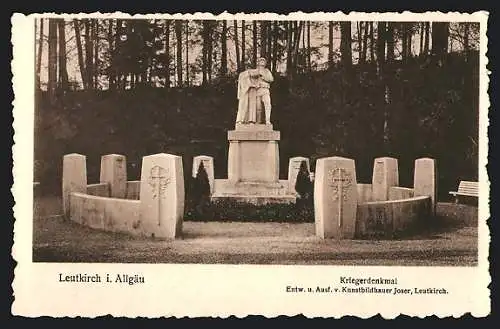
{"x": 247, "y": 100}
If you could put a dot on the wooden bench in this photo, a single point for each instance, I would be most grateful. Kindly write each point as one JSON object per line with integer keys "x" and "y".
{"x": 466, "y": 188}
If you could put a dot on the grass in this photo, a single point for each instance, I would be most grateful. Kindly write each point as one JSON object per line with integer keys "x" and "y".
{"x": 452, "y": 243}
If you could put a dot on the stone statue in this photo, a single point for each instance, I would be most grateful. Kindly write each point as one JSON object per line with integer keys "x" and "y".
{"x": 253, "y": 93}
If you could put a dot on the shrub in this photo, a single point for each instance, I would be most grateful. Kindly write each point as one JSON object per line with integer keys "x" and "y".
{"x": 232, "y": 210}
{"x": 304, "y": 186}
{"x": 199, "y": 194}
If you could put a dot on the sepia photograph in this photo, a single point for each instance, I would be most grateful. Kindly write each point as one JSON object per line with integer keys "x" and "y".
{"x": 323, "y": 164}
{"x": 256, "y": 141}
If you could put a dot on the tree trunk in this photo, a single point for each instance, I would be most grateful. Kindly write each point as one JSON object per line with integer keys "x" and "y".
{"x": 88, "y": 53}
{"x": 39, "y": 57}
{"x": 404, "y": 41}
{"x": 427, "y": 35}
{"x": 254, "y": 30}
{"x": 204, "y": 51}
{"x": 330, "y": 44}
{"x": 237, "y": 46}
{"x": 178, "y": 35}
{"x": 263, "y": 39}
{"x": 118, "y": 70}
{"x": 269, "y": 42}
{"x": 167, "y": 53}
{"x": 408, "y": 41}
{"x": 440, "y": 40}
{"x": 390, "y": 42}
{"x": 52, "y": 79}
{"x": 359, "y": 27}
{"x": 275, "y": 46}
{"x": 79, "y": 48}
{"x": 365, "y": 44}
{"x": 63, "y": 72}
{"x": 289, "y": 48}
{"x": 421, "y": 48}
{"x": 309, "y": 45}
{"x": 304, "y": 49}
{"x": 372, "y": 43}
{"x": 298, "y": 29}
{"x": 95, "y": 43}
{"x": 210, "y": 51}
{"x": 243, "y": 41}
{"x": 466, "y": 40}
{"x": 381, "y": 38}
{"x": 345, "y": 44}
{"x": 187, "y": 53}
{"x": 111, "y": 76}
{"x": 223, "y": 58}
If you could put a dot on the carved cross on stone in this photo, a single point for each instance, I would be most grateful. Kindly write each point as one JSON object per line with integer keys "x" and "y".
{"x": 340, "y": 179}
{"x": 159, "y": 180}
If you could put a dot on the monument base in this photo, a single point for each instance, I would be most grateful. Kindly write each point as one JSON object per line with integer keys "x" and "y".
{"x": 257, "y": 193}
{"x": 253, "y": 167}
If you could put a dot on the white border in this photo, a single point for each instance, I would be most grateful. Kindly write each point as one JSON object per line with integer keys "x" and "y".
{"x": 224, "y": 290}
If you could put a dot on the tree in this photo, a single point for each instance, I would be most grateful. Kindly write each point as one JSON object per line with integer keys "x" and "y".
{"x": 79, "y": 48}
{"x": 345, "y": 44}
{"x": 166, "y": 68}
{"x": 466, "y": 40}
{"x": 309, "y": 46}
{"x": 269, "y": 42}
{"x": 440, "y": 32}
{"x": 254, "y": 49}
{"x": 422, "y": 27}
{"x": 52, "y": 80}
{"x": 187, "y": 53}
{"x": 391, "y": 26}
{"x": 63, "y": 72}
{"x": 359, "y": 28}
{"x": 224, "y": 49}
{"x": 237, "y": 46}
{"x": 427, "y": 37}
{"x": 243, "y": 42}
{"x": 178, "y": 35}
{"x": 365, "y": 43}
{"x": 372, "y": 43}
{"x": 330, "y": 43}
{"x": 381, "y": 41}
{"x": 39, "y": 57}
{"x": 274, "y": 57}
{"x": 95, "y": 44}
{"x": 263, "y": 39}
{"x": 88, "y": 53}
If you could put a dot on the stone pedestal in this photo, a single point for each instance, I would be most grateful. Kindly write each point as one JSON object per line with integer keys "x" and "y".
{"x": 253, "y": 167}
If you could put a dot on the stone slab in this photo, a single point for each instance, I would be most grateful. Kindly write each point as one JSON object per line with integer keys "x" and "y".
{"x": 335, "y": 198}
{"x": 114, "y": 172}
{"x": 385, "y": 175}
{"x": 162, "y": 195}
{"x": 293, "y": 170}
{"x": 74, "y": 178}
{"x": 425, "y": 180}
{"x": 208, "y": 164}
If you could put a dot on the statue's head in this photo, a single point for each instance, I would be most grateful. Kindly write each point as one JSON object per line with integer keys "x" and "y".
{"x": 261, "y": 62}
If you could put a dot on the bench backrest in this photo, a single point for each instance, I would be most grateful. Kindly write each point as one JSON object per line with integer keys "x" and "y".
{"x": 468, "y": 187}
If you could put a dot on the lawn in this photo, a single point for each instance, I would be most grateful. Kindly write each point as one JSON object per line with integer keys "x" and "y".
{"x": 453, "y": 242}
